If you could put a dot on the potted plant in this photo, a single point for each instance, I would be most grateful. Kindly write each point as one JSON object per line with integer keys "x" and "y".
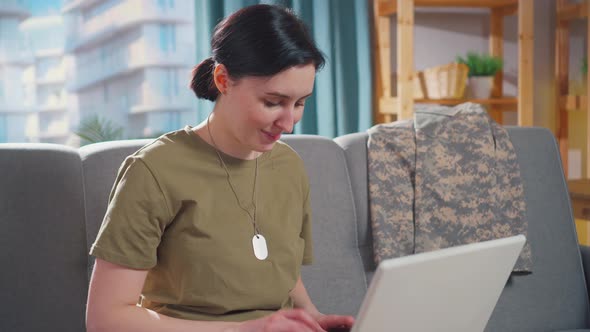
{"x": 482, "y": 68}
{"x": 94, "y": 129}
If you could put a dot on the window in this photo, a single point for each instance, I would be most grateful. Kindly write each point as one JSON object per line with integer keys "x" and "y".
{"x": 175, "y": 82}
{"x": 167, "y": 37}
{"x": 166, "y": 4}
{"x": 10, "y": 36}
{"x": 172, "y": 31}
{"x": 105, "y": 93}
{"x": 173, "y": 122}
{"x": 166, "y": 85}
{"x": 56, "y": 96}
{"x": 170, "y": 86}
{"x": 5, "y": 29}
{"x": 124, "y": 102}
{"x": 163, "y": 37}
{"x": 103, "y": 55}
{"x": 2, "y": 129}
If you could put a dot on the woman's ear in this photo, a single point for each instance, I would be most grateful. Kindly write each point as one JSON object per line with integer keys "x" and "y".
{"x": 221, "y": 78}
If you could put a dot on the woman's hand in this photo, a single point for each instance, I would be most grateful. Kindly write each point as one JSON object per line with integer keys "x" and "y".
{"x": 294, "y": 320}
{"x": 334, "y": 321}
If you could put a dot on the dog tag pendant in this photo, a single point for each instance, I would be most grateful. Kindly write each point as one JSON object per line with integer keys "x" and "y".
{"x": 259, "y": 245}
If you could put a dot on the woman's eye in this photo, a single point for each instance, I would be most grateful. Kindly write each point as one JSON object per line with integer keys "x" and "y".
{"x": 270, "y": 104}
{"x": 300, "y": 104}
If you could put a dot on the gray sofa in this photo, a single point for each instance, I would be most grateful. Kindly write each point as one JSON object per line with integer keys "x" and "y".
{"x": 52, "y": 199}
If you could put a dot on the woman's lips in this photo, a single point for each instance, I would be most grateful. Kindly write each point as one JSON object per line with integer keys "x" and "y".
{"x": 272, "y": 137}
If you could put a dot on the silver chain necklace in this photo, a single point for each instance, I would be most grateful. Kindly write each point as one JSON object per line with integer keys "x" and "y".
{"x": 258, "y": 241}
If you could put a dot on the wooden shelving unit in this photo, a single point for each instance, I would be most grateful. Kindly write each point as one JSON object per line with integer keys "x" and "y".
{"x": 576, "y": 102}
{"x": 401, "y": 106}
{"x": 567, "y": 12}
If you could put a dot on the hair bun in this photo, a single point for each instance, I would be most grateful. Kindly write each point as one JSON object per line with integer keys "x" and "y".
{"x": 202, "y": 82}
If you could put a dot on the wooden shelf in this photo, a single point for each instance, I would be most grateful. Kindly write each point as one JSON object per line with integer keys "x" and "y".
{"x": 579, "y": 188}
{"x": 390, "y": 8}
{"x": 566, "y": 104}
{"x": 580, "y": 196}
{"x": 575, "y": 103}
{"x": 400, "y": 107}
{"x": 504, "y": 104}
{"x": 506, "y": 101}
{"x": 572, "y": 11}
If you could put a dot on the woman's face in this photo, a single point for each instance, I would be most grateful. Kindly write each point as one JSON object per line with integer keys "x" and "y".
{"x": 257, "y": 110}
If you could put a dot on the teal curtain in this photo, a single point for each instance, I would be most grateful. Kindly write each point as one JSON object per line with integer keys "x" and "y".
{"x": 342, "y": 99}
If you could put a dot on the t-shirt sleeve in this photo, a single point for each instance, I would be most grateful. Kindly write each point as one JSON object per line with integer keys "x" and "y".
{"x": 306, "y": 230}
{"x": 136, "y": 218}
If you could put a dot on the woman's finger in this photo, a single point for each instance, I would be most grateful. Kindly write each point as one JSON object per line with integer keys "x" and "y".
{"x": 305, "y": 318}
{"x": 330, "y": 321}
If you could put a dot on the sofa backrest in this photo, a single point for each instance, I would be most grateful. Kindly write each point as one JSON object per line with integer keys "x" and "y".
{"x": 100, "y": 163}
{"x": 355, "y": 150}
{"x": 554, "y": 296}
{"x": 335, "y": 281}
{"x": 43, "y": 284}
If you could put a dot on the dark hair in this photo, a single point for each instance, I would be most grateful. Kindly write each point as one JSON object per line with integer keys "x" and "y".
{"x": 259, "y": 40}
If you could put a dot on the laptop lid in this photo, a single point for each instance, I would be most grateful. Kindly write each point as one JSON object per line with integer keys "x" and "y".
{"x": 453, "y": 289}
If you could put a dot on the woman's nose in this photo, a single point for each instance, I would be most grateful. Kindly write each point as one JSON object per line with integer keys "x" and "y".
{"x": 285, "y": 122}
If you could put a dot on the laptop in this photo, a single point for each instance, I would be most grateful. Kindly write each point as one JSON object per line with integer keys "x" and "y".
{"x": 453, "y": 289}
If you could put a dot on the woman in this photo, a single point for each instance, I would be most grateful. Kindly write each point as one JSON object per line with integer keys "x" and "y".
{"x": 208, "y": 226}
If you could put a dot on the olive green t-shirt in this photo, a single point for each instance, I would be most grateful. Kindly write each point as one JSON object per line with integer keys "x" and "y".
{"x": 172, "y": 211}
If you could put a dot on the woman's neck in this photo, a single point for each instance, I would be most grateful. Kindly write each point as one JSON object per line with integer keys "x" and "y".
{"x": 214, "y": 132}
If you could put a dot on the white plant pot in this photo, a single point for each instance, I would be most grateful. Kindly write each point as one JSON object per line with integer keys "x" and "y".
{"x": 480, "y": 87}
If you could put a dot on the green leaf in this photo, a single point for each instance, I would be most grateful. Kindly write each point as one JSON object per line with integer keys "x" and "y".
{"x": 94, "y": 129}
{"x": 481, "y": 64}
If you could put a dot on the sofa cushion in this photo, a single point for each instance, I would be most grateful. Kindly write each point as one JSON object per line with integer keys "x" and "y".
{"x": 554, "y": 296}
{"x": 335, "y": 282}
{"x": 43, "y": 284}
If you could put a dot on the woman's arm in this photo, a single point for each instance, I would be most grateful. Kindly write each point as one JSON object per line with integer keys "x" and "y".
{"x": 112, "y": 306}
{"x": 112, "y": 298}
{"x": 302, "y": 300}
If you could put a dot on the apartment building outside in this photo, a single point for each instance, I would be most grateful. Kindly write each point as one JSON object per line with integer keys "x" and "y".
{"x": 45, "y": 79}
{"x": 17, "y": 119}
{"x": 131, "y": 62}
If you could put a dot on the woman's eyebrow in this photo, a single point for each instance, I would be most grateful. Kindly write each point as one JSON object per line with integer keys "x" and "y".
{"x": 281, "y": 95}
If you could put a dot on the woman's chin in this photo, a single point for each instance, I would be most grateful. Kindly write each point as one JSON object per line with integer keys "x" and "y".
{"x": 265, "y": 147}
